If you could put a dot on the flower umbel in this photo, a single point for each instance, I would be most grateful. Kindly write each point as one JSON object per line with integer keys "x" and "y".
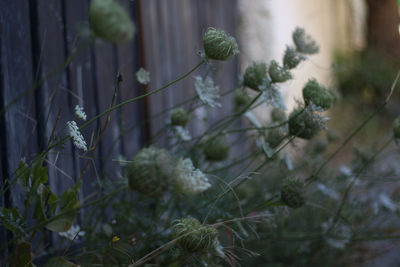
{"x": 207, "y": 91}
{"x": 304, "y": 43}
{"x": 189, "y": 180}
{"x": 76, "y": 135}
{"x": 73, "y": 233}
{"x": 219, "y": 45}
{"x": 80, "y": 113}
{"x": 143, "y": 76}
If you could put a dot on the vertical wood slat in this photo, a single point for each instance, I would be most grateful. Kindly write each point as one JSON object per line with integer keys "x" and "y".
{"x": 16, "y": 77}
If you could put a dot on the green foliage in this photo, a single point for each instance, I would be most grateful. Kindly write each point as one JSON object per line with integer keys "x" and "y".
{"x": 12, "y": 220}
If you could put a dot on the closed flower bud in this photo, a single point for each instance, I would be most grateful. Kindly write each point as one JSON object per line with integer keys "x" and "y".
{"x": 192, "y": 236}
{"x": 254, "y": 75}
{"x": 292, "y": 193}
{"x": 241, "y": 98}
{"x": 302, "y": 124}
{"x": 291, "y": 58}
{"x": 317, "y": 94}
{"x": 219, "y": 45}
{"x": 278, "y": 115}
{"x": 277, "y": 73}
{"x": 396, "y": 128}
{"x": 216, "y": 149}
{"x": 179, "y": 117}
{"x": 150, "y": 172}
{"x": 110, "y": 21}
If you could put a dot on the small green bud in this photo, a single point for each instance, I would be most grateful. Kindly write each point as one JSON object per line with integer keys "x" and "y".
{"x": 292, "y": 59}
{"x": 292, "y": 193}
{"x": 275, "y": 137}
{"x": 179, "y": 117}
{"x": 278, "y": 115}
{"x": 150, "y": 172}
{"x": 216, "y": 149}
{"x": 241, "y": 98}
{"x": 317, "y": 94}
{"x": 254, "y": 75}
{"x": 302, "y": 124}
{"x": 219, "y": 45}
{"x": 192, "y": 236}
{"x": 396, "y": 128}
{"x": 277, "y": 73}
{"x": 110, "y": 21}
{"x": 304, "y": 43}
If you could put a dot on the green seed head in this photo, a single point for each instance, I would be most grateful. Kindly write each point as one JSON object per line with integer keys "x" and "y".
{"x": 304, "y": 43}
{"x": 291, "y": 58}
{"x": 292, "y": 193}
{"x": 302, "y": 124}
{"x": 317, "y": 94}
{"x": 110, "y": 21}
{"x": 150, "y": 172}
{"x": 179, "y": 117}
{"x": 194, "y": 237}
{"x": 216, "y": 149}
{"x": 219, "y": 45}
{"x": 277, "y": 73}
{"x": 278, "y": 115}
{"x": 254, "y": 75}
{"x": 241, "y": 99}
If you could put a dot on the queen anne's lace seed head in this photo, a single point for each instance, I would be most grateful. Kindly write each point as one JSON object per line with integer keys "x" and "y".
{"x": 292, "y": 58}
{"x": 292, "y": 193}
{"x": 277, "y": 73}
{"x": 240, "y": 99}
{"x": 254, "y": 75}
{"x": 143, "y": 76}
{"x": 150, "y": 172}
{"x": 306, "y": 122}
{"x": 76, "y": 135}
{"x": 317, "y": 94}
{"x": 304, "y": 42}
{"x": 219, "y": 45}
{"x": 216, "y": 149}
{"x": 278, "y": 115}
{"x": 188, "y": 179}
{"x": 80, "y": 113}
{"x": 179, "y": 117}
{"x": 192, "y": 236}
{"x": 207, "y": 91}
{"x": 110, "y": 21}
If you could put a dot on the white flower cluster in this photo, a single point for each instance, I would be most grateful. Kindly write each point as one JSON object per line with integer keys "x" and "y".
{"x": 271, "y": 94}
{"x": 207, "y": 91}
{"x": 182, "y": 133}
{"x": 143, "y": 76}
{"x": 190, "y": 180}
{"x": 73, "y": 233}
{"x": 77, "y": 137}
{"x": 80, "y": 113}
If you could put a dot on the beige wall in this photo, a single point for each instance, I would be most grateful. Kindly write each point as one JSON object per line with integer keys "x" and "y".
{"x": 266, "y": 27}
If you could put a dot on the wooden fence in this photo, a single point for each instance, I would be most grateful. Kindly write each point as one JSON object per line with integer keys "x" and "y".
{"x": 39, "y": 94}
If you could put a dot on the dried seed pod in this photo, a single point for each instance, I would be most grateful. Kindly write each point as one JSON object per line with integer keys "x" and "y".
{"x": 150, "y": 172}
{"x": 292, "y": 193}
{"x": 194, "y": 237}
{"x": 254, "y": 75}
{"x": 219, "y": 45}
{"x": 110, "y": 21}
